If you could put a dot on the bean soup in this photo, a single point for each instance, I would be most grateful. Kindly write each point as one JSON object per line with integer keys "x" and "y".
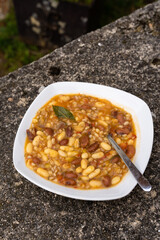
{"x": 67, "y": 141}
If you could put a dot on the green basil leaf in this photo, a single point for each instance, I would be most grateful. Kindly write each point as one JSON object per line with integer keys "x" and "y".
{"x": 62, "y": 112}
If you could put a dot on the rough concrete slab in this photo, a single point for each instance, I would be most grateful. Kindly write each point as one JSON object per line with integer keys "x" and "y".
{"x": 124, "y": 54}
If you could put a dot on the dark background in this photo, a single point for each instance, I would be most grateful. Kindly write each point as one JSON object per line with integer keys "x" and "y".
{"x": 16, "y": 52}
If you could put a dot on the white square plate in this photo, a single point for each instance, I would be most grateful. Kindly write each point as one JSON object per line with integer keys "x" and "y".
{"x": 144, "y": 127}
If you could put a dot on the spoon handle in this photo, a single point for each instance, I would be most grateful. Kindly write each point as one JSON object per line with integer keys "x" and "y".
{"x": 142, "y": 181}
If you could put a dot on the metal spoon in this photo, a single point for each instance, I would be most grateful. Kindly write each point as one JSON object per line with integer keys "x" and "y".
{"x": 142, "y": 181}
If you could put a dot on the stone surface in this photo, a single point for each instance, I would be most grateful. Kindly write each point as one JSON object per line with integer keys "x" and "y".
{"x": 125, "y": 55}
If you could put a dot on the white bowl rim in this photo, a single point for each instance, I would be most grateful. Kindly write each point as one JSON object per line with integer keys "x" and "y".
{"x": 146, "y": 135}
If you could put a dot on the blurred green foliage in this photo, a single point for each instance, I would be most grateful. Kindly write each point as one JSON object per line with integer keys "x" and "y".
{"x": 14, "y": 52}
{"x": 112, "y": 10}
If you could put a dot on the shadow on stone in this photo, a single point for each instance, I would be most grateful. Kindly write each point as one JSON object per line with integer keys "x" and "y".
{"x": 54, "y": 71}
{"x": 156, "y": 61}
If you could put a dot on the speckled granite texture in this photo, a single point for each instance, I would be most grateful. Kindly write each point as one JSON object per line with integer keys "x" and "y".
{"x": 125, "y": 55}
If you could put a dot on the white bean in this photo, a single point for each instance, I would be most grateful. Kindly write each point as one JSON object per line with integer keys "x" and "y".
{"x": 78, "y": 170}
{"x": 34, "y": 120}
{"x": 29, "y": 148}
{"x": 49, "y": 143}
{"x": 80, "y": 127}
{"x": 95, "y": 183}
{"x": 115, "y": 180}
{"x": 76, "y": 143}
{"x": 43, "y": 172}
{"x": 43, "y": 156}
{"x": 66, "y": 148}
{"x": 88, "y": 170}
{"x": 105, "y": 146}
{"x": 118, "y": 140}
{"x": 126, "y": 123}
{"x": 28, "y": 164}
{"x": 107, "y": 118}
{"x": 84, "y": 178}
{"x": 40, "y": 133}
{"x": 36, "y": 141}
{"x": 103, "y": 123}
{"x": 48, "y": 125}
{"x": 84, "y": 155}
{"x": 66, "y": 165}
{"x": 99, "y": 104}
{"x": 61, "y": 153}
{"x": 61, "y": 136}
{"x": 97, "y": 155}
{"x": 64, "y": 98}
{"x": 130, "y": 142}
{"x": 72, "y": 154}
{"x": 57, "y": 163}
{"x": 83, "y": 163}
{"x": 71, "y": 141}
{"x": 95, "y": 173}
{"x": 51, "y": 152}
